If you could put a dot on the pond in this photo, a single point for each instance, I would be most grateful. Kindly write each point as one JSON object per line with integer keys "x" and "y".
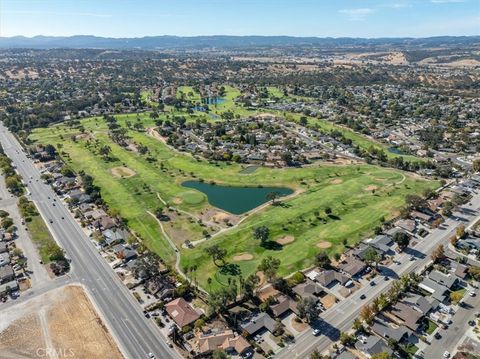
{"x": 395, "y": 151}
{"x": 236, "y": 200}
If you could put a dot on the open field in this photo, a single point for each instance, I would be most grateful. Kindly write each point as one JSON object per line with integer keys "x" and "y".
{"x": 61, "y": 321}
{"x": 346, "y": 189}
{"x": 41, "y": 237}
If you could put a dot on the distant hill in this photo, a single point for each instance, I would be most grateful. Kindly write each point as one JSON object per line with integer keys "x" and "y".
{"x": 199, "y": 42}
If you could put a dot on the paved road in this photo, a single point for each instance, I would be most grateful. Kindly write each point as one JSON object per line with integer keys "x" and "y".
{"x": 340, "y": 317}
{"x": 38, "y": 274}
{"x": 451, "y": 336}
{"x": 136, "y": 335}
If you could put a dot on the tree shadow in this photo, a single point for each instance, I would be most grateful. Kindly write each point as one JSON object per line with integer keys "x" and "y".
{"x": 334, "y": 217}
{"x": 231, "y": 269}
{"x": 272, "y": 245}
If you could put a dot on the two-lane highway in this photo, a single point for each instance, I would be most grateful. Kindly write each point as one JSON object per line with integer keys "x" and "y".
{"x": 136, "y": 335}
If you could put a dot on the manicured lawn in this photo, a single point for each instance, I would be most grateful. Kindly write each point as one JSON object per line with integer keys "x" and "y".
{"x": 411, "y": 349}
{"x": 360, "y": 196}
{"x": 41, "y": 237}
{"x": 431, "y": 326}
{"x": 460, "y": 293}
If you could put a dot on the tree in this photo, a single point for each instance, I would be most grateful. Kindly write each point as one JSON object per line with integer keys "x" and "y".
{"x": 269, "y": 266}
{"x": 415, "y": 201}
{"x": 438, "y": 254}
{"x": 367, "y": 314}
{"x": 322, "y": 260}
{"x": 460, "y": 231}
{"x": 308, "y": 309}
{"x": 476, "y": 165}
{"x": 316, "y": 355}
{"x": 347, "y": 339}
{"x": 217, "y": 253}
{"x": 261, "y": 233}
{"x": 105, "y": 151}
{"x": 219, "y": 354}
{"x": 272, "y": 196}
{"x": 371, "y": 256}
{"x": 402, "y": 239}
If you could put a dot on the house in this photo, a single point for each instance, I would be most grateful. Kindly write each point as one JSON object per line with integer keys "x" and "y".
{"x": 329, "y": 277}
{"x": 384, "y": 244}
{"x": 373, "y": 345}
{"x": 420, "y": 303}
{"x": 95, "y": 214}
{"x": 407, "y": 315}
{"x": 461, "y": 271}
{"x": 345, "y": 355}
{"x": 407, "y": 224}
{"x": 352, "y": 266}
{"x": 9, "y": 286}
{"x": 181, "y": 312}
{"x": 105, "y": 223}
{"x": 3, "y": 247}
{"x": 285, "y": 304}
{"x": 124, "y": 252}
{"x": 446, "y": 280}
{"x": 113, "y": 236}
{"x": 361, "y": 250}
{"x": 6, "y": 274}
{"x": 399, "y": 334}
{"x": 225, "y": 340}
{"x": 260, "y": 322}
{"x": 4, "y": 259}
{"x": 308, "y": 289}
{"x": 422, "y": 217}
{"x": 161, "y": 288}
{"x": 438, "y": 291}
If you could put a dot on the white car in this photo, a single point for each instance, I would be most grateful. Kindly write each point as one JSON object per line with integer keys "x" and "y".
{"x": 446, "y": 354}
{"x": 471, "y": 293}
{"x": 151, "y": 355}
{"x": 316, "y": 331}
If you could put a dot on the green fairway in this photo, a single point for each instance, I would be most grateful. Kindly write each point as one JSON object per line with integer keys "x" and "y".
{"x": 359, "y": 196}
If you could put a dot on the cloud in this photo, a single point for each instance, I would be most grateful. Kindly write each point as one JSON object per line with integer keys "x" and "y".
{"x": 56, "y": 13}
{"x": 446, "y": 1}
{"x": 357, "y": 14}
{"x": 400, "y": 5}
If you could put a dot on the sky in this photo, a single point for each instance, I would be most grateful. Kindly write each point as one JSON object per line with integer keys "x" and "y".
{"x": 322, "y": 18}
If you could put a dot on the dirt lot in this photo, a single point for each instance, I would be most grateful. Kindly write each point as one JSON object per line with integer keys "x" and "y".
{"x": 59, "y": 324}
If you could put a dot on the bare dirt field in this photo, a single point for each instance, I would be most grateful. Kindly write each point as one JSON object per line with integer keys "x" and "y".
{"x": 371, "y": 188}
{"x": 285, "y": 240}
{"x": 243, "y": 257}
{"x": 324, "y": 245}
{"x": 56, "y": 324}
{"x": 336, "y": 181}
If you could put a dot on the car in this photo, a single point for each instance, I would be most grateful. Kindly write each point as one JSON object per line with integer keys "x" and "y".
{"x": 372, "y": 283}
{"x": 51, "y": 221}
{"x": 412, "y": 258}
{"x": 446, "y": 354}
{"x": 151, "y": 355}
{"x": 437, "y": 335}
{"x": 386, "y": 277}
{"x": 471, "y": 323}
{"x": 363, "y": 296}
{"x": 471, "y": 293}
{"x": 316, "y": 331}
{"x": 247, "y": 355}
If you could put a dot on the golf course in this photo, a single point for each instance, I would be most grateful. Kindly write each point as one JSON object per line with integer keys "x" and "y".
{"x": 325, "y": 207}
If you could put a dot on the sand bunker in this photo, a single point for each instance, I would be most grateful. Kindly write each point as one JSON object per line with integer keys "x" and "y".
{"x": 243, "y": 257}
{"x": 324, "y": 245}
{"x": 177, "y": 200}
{"x": 285, "y": 240}
{"x": 371, "y": 188}
{"x": 336, "y": 181}
{"x": 122, "y": 172}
